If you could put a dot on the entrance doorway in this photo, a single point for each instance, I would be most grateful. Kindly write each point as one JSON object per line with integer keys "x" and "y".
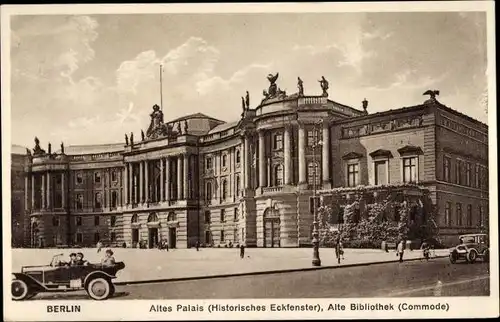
{"x": 271, "y": 228}
{"x": 135, "y": 237}
{"x": 172, "y": 237}
{"x": 153, "y": 237}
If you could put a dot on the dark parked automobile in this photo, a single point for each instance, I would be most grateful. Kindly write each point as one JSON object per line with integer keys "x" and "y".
{"x": 471, "y": 247}
{"x": 95, "y": 279}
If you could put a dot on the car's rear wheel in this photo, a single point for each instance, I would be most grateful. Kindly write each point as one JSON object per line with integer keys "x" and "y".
{"x": 471, "y": 256}
{"x": 20, "y": 290}
{"x": 99, "y": 288}
{"x": 453, "y": 258}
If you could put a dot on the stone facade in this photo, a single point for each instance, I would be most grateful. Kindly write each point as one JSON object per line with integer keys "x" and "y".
{"x": 200, "y": 180}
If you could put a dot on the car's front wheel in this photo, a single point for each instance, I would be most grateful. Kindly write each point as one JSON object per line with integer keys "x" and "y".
{"x": 20, "y": 290}
{"x": 471, "y": 256}
{"x": 99, "y": 288}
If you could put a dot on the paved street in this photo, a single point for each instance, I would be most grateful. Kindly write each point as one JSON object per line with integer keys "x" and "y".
{"x": 409, "y": 279}
{"x": 153, "y": 264}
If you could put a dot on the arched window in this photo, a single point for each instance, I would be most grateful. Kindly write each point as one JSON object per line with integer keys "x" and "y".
{"x": 224, "y": 189}
{"x": 135, "y": 219}
{"x": 172, "y": 216}
{"x": 238, "y": 186}
{"x": 208, "y": 191}
{"x": 313, "y": 173}
{"x": 278, "y": 175}
{"x": 153, "y": 217}
{"x": 238, "y": 156}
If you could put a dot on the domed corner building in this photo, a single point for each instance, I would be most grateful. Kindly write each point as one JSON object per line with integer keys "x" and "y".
{"x": 197, "y": 179}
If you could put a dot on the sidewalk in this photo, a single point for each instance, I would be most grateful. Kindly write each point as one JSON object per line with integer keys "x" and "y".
{"x": 151, "y": 264}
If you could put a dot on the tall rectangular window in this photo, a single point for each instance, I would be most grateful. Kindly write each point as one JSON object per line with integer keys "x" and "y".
{"x": 79, "y": 221}
{"x": 113, "y": 221}
{"x": 96, "y": 220}
{"x": 223, "y": 215}
{"x": 458, "y": 172}
{"x": 207, "y": 217}
{"x": 477, "y": 177}
{"x": 113, "y": 236}
{"x": 352, "y": 175}
{"x": 97, "y": 177}
{"x": 236, "y": 214}
{"x": 238, "y": 186}
{"x": 380, "y": 172}
{"x": 98, "y": 200}
{"x": 447, "y": 214}
{"x": 224, "y": 160}
{"x": 410, "y": 169}
{"x": 79, "y": 201}
{"x": 446, "y": 169}
{"x": 114, "y": 199}
{"x": 468, "y": 174}
{"x": 313, "y": 175}
{"x": 481, "y": 216}
{"x": 97, "y": 237}
{"x": 79, "y": 178}
{"x": 469, "y": 215}
{"x": 459, "y": 214}
{"x": 79, "y": 237}
{"x": 312, "y": 137}
{"x": 222, "y": 236}
{"x": 114, "y": 176}
{"x": 278, "y": 141}
{"x": 209, "y": 163}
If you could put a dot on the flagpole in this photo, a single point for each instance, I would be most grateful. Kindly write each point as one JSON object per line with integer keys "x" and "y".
{"x": 161, "y": 88}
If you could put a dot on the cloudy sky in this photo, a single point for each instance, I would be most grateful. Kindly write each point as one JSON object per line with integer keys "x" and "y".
{"x": 90, "y": 79}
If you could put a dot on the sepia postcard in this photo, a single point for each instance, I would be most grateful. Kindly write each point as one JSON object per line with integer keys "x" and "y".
{"x": 249, "y": 161}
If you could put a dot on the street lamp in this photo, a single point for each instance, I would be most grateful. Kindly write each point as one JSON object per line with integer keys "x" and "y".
{"x": 315, "y": 241}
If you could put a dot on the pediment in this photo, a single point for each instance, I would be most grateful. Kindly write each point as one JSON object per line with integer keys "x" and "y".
{"x": 410, "y": 149}
{"x": 381, "y": 153}
{"x": 352, "y": 155}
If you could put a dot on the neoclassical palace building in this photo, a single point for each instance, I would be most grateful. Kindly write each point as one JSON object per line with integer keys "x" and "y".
{"x": 199, "y": 179}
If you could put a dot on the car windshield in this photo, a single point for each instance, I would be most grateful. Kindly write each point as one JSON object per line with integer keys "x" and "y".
{"x": 467, "y": 239}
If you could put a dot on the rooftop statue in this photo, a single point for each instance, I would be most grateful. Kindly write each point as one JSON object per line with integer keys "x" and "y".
{"x": 62, "y": 148}
{"x": 132, "y": 139}
{"x": 28, "y": 152}
{"x": 273, "y": 90}
{"x": 126, "y": 139}
{"x": 324, "y": 85}
{"x": 243, "y": 103}
{"x": 143, "y": 137}
{"x": 37, "y": 150}
{"x": 300, "y": 85}
{"x": 50, "y": 148}
{"x": 156, "y": 127}
{"x": 432, "y": 94}
{"x": 365, "y": 105}
{"x": 247, "y": 100}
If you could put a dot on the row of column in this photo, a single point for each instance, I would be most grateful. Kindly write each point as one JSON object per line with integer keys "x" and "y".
{"x": 287, "y": 153}
{"x": 140, "y": 194}
{"x": 45, "y": 190}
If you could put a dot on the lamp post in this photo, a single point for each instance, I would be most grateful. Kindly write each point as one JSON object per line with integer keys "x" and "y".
{"x": 315, "y": 241}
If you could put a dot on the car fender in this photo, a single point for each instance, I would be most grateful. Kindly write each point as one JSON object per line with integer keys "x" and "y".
{"x": 30, "y": 281}
{"x": 96, "y": 274}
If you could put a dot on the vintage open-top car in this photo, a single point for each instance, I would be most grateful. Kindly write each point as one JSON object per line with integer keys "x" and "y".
{"x": 95, "y": 279}
{"x": 470, "y": 248}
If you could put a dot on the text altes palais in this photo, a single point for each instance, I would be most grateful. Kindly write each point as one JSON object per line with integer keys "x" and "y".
{"x": 197, "y": 179}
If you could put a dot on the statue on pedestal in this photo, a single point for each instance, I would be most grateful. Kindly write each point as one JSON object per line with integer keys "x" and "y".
{"x": 50, "y": 148}
{"x": 131, "y": 139}
{"x": 324, "y": 86}
{"x": 300, "y": 85}
{"x": 126, "y": 139}
{"x": 142, "y": 135}
{"x": 37, "y": 150}
{"x": 365, "y": 105}
{"x": 62, "y": 148}
{"x": 156, "y": 120}
{"x": 432, "y": 94}
{"x": 243, "y": 104}
{"x": 247, "y": 100}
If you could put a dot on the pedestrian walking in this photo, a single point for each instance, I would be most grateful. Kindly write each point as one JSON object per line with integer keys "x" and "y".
{"x": 425, "y": 250}
{"x": 242, "y": 251}
{"x": 99, "y": 246}
{"x": 400, "y": 251}
{"x": 337, "y": 250}
{"x": 197, "y": 245}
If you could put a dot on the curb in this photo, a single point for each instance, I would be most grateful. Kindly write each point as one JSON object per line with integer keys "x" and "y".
{"x": 289, "y": 270}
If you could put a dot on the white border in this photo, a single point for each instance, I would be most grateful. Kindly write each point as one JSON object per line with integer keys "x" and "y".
{"x": 139, "y": 309}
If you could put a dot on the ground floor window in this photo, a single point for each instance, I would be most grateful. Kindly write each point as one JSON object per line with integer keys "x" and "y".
{"x": 222, "y": 237}
{"x": 79, "y": 237}
{"x": 97, "y": 237}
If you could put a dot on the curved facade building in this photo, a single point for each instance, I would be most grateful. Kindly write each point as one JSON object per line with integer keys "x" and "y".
{"x": 198, "y": 179}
